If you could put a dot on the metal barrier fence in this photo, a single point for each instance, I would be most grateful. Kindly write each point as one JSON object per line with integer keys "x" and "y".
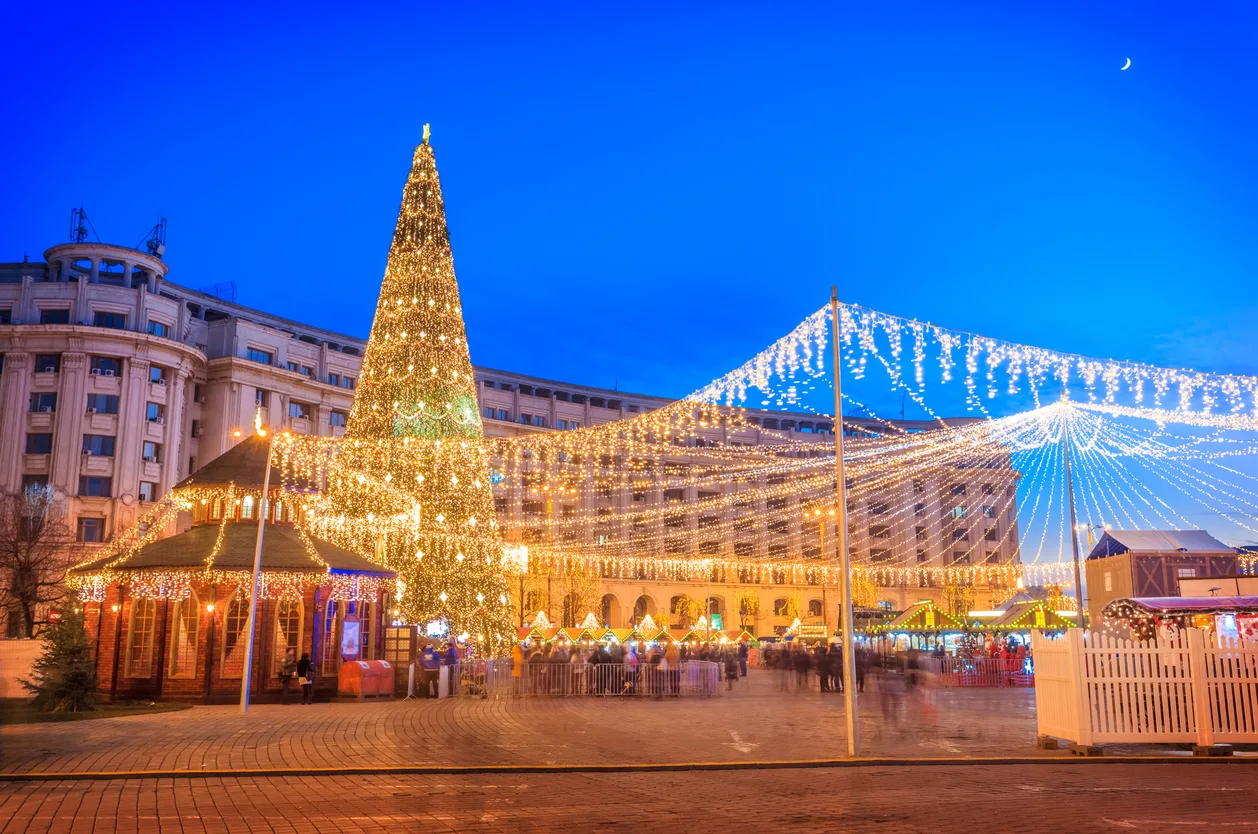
{"x": 494, "y": 677}
{"x": 984, "y": 671}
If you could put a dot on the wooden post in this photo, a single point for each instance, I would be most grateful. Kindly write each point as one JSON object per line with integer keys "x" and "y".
{"x": 1200, "y": 691}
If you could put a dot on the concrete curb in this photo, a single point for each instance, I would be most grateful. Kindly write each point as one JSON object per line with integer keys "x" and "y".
{"x": 459, "y": 770}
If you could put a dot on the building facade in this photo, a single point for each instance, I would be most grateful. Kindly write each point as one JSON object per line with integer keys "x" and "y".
{"x": 116, "y": 383}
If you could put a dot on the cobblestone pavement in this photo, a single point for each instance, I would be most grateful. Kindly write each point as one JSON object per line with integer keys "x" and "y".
{"x": 755, "y": 721}
{"x": 938, "y": 799}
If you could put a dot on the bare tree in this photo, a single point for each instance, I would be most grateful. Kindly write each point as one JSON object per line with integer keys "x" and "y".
{"x": 36, "y": 548}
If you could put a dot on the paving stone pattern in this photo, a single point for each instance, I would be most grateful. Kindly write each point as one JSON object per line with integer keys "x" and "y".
{"x": 1010, "y": 799}
{"x": 755, "y": 721}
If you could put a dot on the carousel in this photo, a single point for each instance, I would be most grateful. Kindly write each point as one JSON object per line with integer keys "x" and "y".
{"x": 169, "y": 614}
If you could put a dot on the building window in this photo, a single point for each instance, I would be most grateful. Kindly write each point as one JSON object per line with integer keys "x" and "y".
{"x": 300, "y": 410}
{"x": 155, "y": 413}
{"x": 364, "y": 628}
{"x": 91, "y": 530}
{"x": 524, "y": 418}
{"x": 261, "y": 398}
{"x": 47, "y": 363}
{"x": 91, "y": 487}
{"x": 157, "y": 328}
{"x": 148, "y": 491}
{"x": 539, "y": 420}
{"x": 36, "y": 481}
{"x": 330, "y": 649}
{"x": 489, "y": 412}
{"x": 336, "y": 418}
{"x": 1186, "y": 573}
{"x": 114, "y": 321}
{"x": 183, "y": 636}
{"x": 561, "y": 424}
{"x": 814, "y": 608}
{"x": 293, "y": 366}
{"x": 106, "y": 366}
{"x": 255, "y": 355}
{"x": 43, "y": 402}
{"x": 990, "y": 535}
{"x": 1109, "y": 581}
{"x": 246, "y": 507}
{"x": 98, "y": 445}
{"x": 923, "y": 556}
{"x": 140, "y": 636}
{"x": 347, "y": 382}
{"x": 287, "y": 629}
{"x": 334, "y": 379}
{"x": 102, "y": 403}
{"x": 39, "y": 444}
{"x": 152, "y": 452}
{"x": 958, "y": 512}
{"x": 502, "y": 414}
{"x": 989, "y": 511}
{"x": 157, "y": 374}
{"x": 235, "y": 637}
{"x": 54, "y": 317}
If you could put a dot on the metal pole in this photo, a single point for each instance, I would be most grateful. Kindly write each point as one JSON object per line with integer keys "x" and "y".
{"x": 257, "y": 575}
{"x": 845, "y": 563}
{"x": 1070, "y": 494}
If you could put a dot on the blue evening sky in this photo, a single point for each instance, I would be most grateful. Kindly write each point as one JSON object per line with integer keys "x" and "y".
{"x": 649, "y": 195}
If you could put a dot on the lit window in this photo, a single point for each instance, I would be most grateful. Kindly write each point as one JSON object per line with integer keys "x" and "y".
{"x": 234, "y": 637}
{"x": 183, "y": 647}
{"x": 246, "y": 507}
{"x": 140, "y": 637}
{"x": 287, "y": 628}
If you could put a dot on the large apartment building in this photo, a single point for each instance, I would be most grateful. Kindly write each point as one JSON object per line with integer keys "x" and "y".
{"x": 118, "y": 383}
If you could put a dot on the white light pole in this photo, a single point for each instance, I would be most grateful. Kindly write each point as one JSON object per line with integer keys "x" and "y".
{"x": 247, "y": 677}
{"x": 840, "y": 537}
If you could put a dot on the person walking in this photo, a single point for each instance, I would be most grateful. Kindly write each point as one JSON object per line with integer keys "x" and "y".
{"x": 288, "y": 668}
{"x": 672, "y": 655}
{"x": 834, "y": 662}
{"x": 802, "y": 664}
{"x": 305, "y": 677}
{"x": 743, "y": 651}
{"x": 630, "y": 665}
{"x": 430, "y": 670}
{"x": 517, "y": 667}
{"x": 731, "y": 669}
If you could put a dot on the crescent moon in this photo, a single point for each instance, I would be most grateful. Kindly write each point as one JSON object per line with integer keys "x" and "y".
{"x": 1127, "y": 64}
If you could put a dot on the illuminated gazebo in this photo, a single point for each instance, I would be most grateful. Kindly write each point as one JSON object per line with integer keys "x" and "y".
{"x": 172, "y": 612}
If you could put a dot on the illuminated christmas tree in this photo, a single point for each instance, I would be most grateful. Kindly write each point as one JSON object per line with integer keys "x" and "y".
{"x": 415, "y": 423}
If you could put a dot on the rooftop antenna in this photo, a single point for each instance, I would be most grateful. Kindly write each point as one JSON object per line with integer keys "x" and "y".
{"x": 155, "y": 240}
{"x": 80, "y": 225}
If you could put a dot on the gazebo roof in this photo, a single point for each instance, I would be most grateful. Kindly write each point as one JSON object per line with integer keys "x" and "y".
{"x": 244, "y": 465}
{"x": 283, "y": 549}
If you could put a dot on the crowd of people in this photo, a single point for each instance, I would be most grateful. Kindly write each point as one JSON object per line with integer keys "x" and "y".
{"x": 795, "y": 665}
{"x": 618, "y": 668}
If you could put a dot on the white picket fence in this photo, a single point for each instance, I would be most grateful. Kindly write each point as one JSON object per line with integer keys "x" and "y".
{"x": 1095, "y": 689}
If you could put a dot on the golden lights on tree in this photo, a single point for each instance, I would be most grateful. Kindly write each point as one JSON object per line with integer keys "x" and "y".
{"x": 415, "y": 424}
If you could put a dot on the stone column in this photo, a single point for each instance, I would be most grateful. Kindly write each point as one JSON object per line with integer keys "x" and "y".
{"x": 131, "y": 407}
{"x": 67, "y": 438}
{"x": 14, "y": 391}
{"x": 25, "y": 311}
{"x": 152, "y": 281}
{"x": 140, "y": 324}
{"x": 95, "y": 276}
{"x": 176, "y": 395}
{"x": 127, "y": 266}
{"x": 322, "y": 414}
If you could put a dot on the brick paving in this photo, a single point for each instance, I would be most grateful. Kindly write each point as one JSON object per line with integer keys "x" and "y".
{"x": 754, "y": 722}
{"x": 1010, "y": 799}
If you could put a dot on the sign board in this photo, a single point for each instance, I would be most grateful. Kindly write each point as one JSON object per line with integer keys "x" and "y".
{"x": 717, "y": 623}
{"x": 351, "y": 641}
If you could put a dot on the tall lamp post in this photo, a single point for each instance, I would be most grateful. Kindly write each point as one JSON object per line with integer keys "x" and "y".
{"x": 247, "y": 677}
{"x": 1070, "y": 494}
{"x": 840, "y": 535}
